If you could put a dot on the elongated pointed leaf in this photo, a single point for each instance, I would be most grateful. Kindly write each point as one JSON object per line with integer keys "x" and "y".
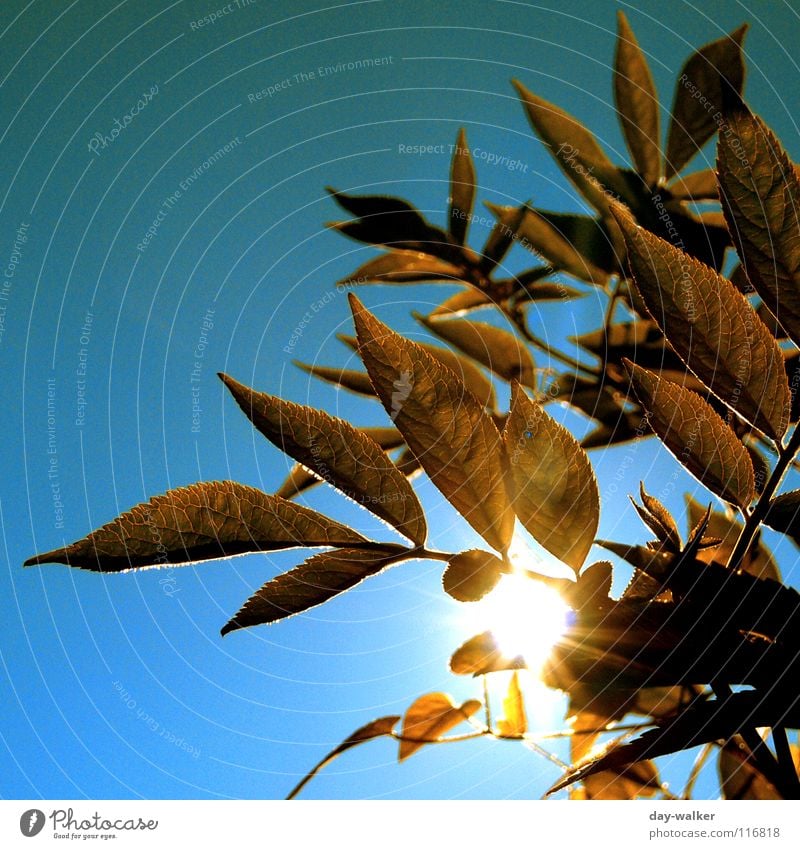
{"x": 696, "y": 435}
{"x": 354, "y": 381}
{"x": 467, "y": 301}
{"x": 471, "y": 574}
{"x": 462, "y": 189}
{"x": 514, "y": 722}
{"x": 429, "y": 717}
{"x": 496, "y": 348}
{"x": 443, "y": 424}
{"x": 402, "y": 266}
{"x": 312, "y": 583}
{"x": 760, "y": 193}
{"x": 333, "y": 449}
{"x": 554, "y": 491}
{"x": 702, "y": 185}
{"x": 712, "y": 327}
{"x": 699, "y": 97}
{"x": 637, "y": 103}
{"x": 480, "y": 655}
{"x": 503, "y": 235}
{"x": 204, "y": 521}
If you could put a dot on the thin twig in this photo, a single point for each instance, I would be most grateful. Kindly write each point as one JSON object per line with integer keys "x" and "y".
{"x": 697, "y": 766}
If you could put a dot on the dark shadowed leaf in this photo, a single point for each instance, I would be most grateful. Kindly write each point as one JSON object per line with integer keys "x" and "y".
{"x": 784, "y": 514}
{"x": 497, "y": 349}
{"x": 760, "y": 191}
{"x": 593, "y": 587}
{"x": 203, "y": 521}
{"x": 514, "y": 722}
{"x": 637, "y": 103}
{"x": 462, "y": 189}
{"x": 401, "y": 266}
{"x": 455, "y": 441}
{"x": 712, "y": 327}
{"x": 503, "y": 235}
{"x": 471, "y": 574}
{"x": 313, "y": 582}
{"x": 701, "y": 185}
{"x": 696, "y": 435}
{"x": 739, "y": 777}
{"x": 429, "y": 717}
{"x": 699, "y": 98}
{"x": 554, "y": 491}
{"x": 335, "y": 451}
{"x": 480, "y": 655}
{"x": 640, "y": 341}
{"x": 354, "y": 381}
{"x": 656, "y": 516}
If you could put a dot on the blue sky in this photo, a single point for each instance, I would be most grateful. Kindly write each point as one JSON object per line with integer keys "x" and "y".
{"x": 163, "y": 197}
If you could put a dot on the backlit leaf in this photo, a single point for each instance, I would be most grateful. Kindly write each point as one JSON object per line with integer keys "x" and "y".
{"x": 402, "y": 266}
{"x": 712, "y": 327}
{"x": 503, "y": 235}
{"x": 739, "y": 778}
{"x": 313, "y": 582}
{"x": 658, "y": 519}
{"x": 203, "y": 521}
{"x": 699, "y": 98}
{"x": 480, "y": 655}
{"x": 471, "y": 574}
{"x": 456, "y": 442}
{"x": 461, "y": 303}
{"x": 637, "y": 103}
{"x": 429, "y": 717}
{"x": 462, "y": 189}
{"x": 593, "y": 587}
{"x": 496, "y": 348}
{"x": 554, "y": 491}
{"x": 696, "y": 435}
{"x": 760, "y": 192}
{"x": 514, "y": 722}
{"x": 354, "y": 381}
{"x": 701, "y": 185}
{"x": 333, "y": 449}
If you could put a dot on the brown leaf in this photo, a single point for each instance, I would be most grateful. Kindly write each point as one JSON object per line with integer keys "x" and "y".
{"x": 429, "y": 717}
{"x": 514, "y": 722}
{"x": 462, "y": 189}
{"x": 739, "y": 778}
{"x": 659, "y": 520}
{"x": 204, "y": 521}
{"x": 466, "y": 301}
{"x": 503, "y": 235}
{"x": 354, "y": 381}
{"x": 312, "y": 583}
{"x": 696, "y": 435}
{"x": 760, "y": 189}
{"x": 333, "y": 449}
{"x": 712, "y": 327}
{"x": 402, "y": 266}
{"x": 701, "y": 185}
{"x": 497, "y": 349}
{"x": 443, "y": 424}
{"x": 554, "y": 491}
{"x": 784, "y": 515}
{"x": 593, "y": 587}
{"x": 480, "y": 655}
{"x": 637, "y": 103}
{"x": 699, "y": 97}
{"x": 470, "y": 575}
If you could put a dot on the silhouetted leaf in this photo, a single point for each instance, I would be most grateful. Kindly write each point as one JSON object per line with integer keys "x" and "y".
{"x": 700, "y": 97}
{"x": 471, "y": 574}
{"x": 696, "y": 435}
{"x": 640, "y": 341}
{"x": 637, "y": 103}
{"x": 497, "y": 349}
{"x": 354, "y": 381}
{"x": 784, "y": 515}
{"x": 503, "y": 235}
{"x": 514, "y": 723}
{"x": 760, "y": 190}
{"x": 712, "y": 327}
{"x": 462, "y": 189}
{"x": 204, "y": 521}
{"x": 545, "y": 291}
{"x": 656, "y": 516}
{"x": 443, "y": 424}
{"x": 701, "y": 185}
{"x": 312, "y": 583}
{"x": 593, "y": 587}
{"x": 461, "y": 303}
{"x": 554, "y": 491}
{"x": 739, "y": 778}
{"x": 402, "y": 266}
{"x": 480, "y": 655}
{"x": 333, "y": 449}
{"x": 382, "y": 727}
{"x": 429, "y": 717}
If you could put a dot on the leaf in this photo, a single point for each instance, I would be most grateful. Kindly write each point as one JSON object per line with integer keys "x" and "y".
{"x": 429, "y": 717}
{"x": 640, "y": 341}
{"x": 760, "y": 191}
{"x": 701, "y": 185}
{"x": 503, "y": 235}
{"x": 402, "y": 266}
{"x": 712, "y": 327}
{"x": 637, "y": 103}
{"x": 354, "y": 381}
{"x": 333, "y": 449}
{"x": 554, "y": 491}
{"x": 462, "y": 189}
{"x": 480, "y": 655}
{"x": 696, "y": 435}
{"x": 497, "y": 349}
{"x": 443, "y": 424}
{"x": 470, "y": 575}
{"x": 739, "y": 778}
{"x": 700, "y": 94}
{"x": 514, "y": 722}
{"x": 593, "y": 587}
{"x": 784, "y": 515}
{"x": 466, "y": 301}
{"x": 383, "y": 727}
{"x": 656, "y": 516}
{"x": 204, "y": 521}
{"x": 312, "y": 583}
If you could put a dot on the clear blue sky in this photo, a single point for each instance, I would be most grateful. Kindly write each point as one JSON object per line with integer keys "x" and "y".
{"x": 121, "y": 686}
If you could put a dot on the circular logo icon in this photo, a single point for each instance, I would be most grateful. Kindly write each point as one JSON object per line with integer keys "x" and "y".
{"x": 31, "y": 822}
